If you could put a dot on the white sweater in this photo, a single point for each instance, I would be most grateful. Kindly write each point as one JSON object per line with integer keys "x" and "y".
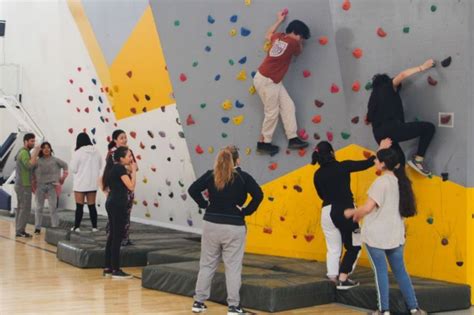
{"x": 85, "y": 165}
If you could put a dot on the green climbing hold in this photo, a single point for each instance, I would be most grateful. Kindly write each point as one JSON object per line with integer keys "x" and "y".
{"x": 176, "y": 23}
{"x": 195, "y": 64}
{"x": 231, "y": 62}
{"x": 433, "y": 8}
{"x": 209, "y": 34}
{"x": 368, "y": 86}
{"x": 345, "y": 135}
{"x": 203, "y": 105}
{"x": 224, "y": 135}
{"x": 406, "y": 29}
{"x": 430, "y": 220}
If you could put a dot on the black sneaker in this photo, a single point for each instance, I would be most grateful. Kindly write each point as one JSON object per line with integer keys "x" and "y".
{"x": 418, "y": 166}
{"x": 37, "y": 231}
{"x": 267, "y": 148}
{"x": 346, "y": 285}
{"x": 23, "y": 234}
{"x": 119, "y": 274}
{"x": 237, "y": 310}
{"x": 296, "y": 144}
{"x": 199, "y": 307}
{"x": 107, "y": 273}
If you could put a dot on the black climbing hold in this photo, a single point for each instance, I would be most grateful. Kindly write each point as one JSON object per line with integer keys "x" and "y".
{"x": 445, "y": 176}
{"x": 446, "y": 62}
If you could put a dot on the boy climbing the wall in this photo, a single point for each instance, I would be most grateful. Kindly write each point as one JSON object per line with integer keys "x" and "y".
{"x": 269, "y": 86}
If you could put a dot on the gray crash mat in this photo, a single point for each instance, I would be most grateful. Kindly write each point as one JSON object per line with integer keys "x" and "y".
{"x": 54, "y": 235}
{"x": 432, "y": 295}
{"x": 262, "y": 289}
{"x": 91, "y": 255}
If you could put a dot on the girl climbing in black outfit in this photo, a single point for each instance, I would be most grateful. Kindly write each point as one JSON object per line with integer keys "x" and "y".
{"x": 117, "y": 182}
{"x": 385, "y": 113}
{"x": 333, "y": 184}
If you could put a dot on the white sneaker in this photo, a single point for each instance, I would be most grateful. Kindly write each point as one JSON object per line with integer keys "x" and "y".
{"x": 75, "y": 230}
{"x": 95, "y": 230}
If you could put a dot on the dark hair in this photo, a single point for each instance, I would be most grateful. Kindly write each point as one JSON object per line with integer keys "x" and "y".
{"x": 323, "y": 154}
{"x": 28, "y": 137}
{"x": 381, "y": 80}
{"x": 82, "y": 140}
{"x": 118, "y": 154}
{"x": 407, "y": 205}
{"x": 115, "y": 135}
{"x": 298, "y": 27}
{"x": 40, "y": 154}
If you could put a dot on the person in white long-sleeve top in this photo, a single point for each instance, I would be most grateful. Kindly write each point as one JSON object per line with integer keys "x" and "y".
{"x": 86, "y": 164}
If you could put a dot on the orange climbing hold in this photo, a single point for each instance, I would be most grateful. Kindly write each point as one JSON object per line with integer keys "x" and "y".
{"x": 316, "y": 119}
{"x": 367, "y": 154}
{"x": 346, "y": 5}
{"x": 323, "y": 40}
{"x": 273, "y": 166}
{"x": 357, "y": 53}
{"x": 356, "y": 86}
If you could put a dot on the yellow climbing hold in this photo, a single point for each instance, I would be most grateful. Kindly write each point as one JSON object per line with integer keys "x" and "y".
{"x": 267, "y": 46}
{"x": 242, "y": 76}
{"x": 248, "y": 2}
{"x": 145, "y": 180}
{"x": 227, "y": 105}
{"x": 210, "y": 149}
{"x": 237, "y": 120}
{"x": 248, "y": 151}
{"x": 233, "y": 32}
{"x": 252, "y": 90}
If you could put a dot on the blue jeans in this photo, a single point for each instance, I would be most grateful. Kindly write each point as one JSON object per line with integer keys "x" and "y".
{"x": 379, "y": 264}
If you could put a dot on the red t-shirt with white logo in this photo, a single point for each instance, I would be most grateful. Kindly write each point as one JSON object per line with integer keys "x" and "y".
{"x": 278, "y": 59}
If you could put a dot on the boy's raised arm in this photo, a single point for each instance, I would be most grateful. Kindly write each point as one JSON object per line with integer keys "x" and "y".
{"x": 280, "y": 18}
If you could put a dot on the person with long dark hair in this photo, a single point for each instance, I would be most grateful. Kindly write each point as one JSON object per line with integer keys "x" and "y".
{"x": 224, "y": 230}
{"x": 385, "y": 113}
{"x": 119, "y": 139}
{"x": 46, "y": 179}
{"x": 390, "y": 200}
{"x": 333, "y": 185}
{"x": 117, "y": 182}
{"x": 85, "y": 165}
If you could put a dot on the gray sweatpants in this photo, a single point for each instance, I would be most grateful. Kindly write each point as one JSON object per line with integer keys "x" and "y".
{"x": 41, "y": 192}
{"x": 23, "y": 195}
{"x": 226, "y": 241}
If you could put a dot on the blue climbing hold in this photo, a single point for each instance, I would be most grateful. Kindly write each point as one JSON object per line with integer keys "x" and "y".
{"x": 100, "y": 100}
{"x": 93, "y": 131}
{"x": 217, "y": 77}
{"x": 253, "y": 73}
{"x": 243, "y": 60}
{"x": 210, "y": 19}
{"x": 94, "y": 81}
{"x": 225, "y": 120}
{"x": 233, "y": 18}
{"x": 99, "y": 109}
{"x": 207, "y": 49}
{"x": 239, "y": 104}
{"x": 244, "y": 31}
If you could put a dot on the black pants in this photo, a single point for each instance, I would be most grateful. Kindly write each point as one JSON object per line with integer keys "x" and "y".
{"x": 399, "y": 132}
{"x": 346, "y": 227}
{"x": 80, "y": 213}
{"x": 117, "y": 219}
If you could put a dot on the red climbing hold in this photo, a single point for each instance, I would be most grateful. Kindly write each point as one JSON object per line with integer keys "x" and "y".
{"x": 356, "y": 86}
{"x": 109, "y": 138}
{"x": 323, "y": 40}
{"x": 309, "y": 237}
{"x": 316, "y": 119}
{"x": 199, "y": 150}
{"x": 267, "y": 230}
{"x": 182, "y": 77}
{"x": 357, "y": 53}
{"x": 306, "y": 73}
{"x": 302, "y": 152}
{"x": 282, "y": 218}
{"x": 86, "y": 110}
{"x": 68, "y": 101}
{"x": 378, "y": 172}
{"x": 432, "y": 81}
{"x": 190, "y": 121}
{"x": 133, "y": 110}
{"x": 139, "y": 157}
{"x": 79, "y": 69}
{"x": 318, "y": 103}
{"x": 346, "y": 5}
{"x": 381, "y": 32}
{"x": 330, "y": 135}
{"x": 145, "y": 203}
{"x": 355, "y": 120}
{"x": 78, "y": 109}
{"x": 133, "y": 134}
{"x": 71, "y": 81}
{"x": 285, "y": 11}
{"x": 81, "y": 90}
{"x": 153, "y": 169}
{"x": 367, "y": 154}
{"x": 70, "y": 130}
{"x": 273, "y": 166}
{"x": 142, "y": 145}
{"x": 135, "y": 96}
{"x": 129, "y": 74}
{"x": 334, "y": 88}
{"x": 302, "y": 134}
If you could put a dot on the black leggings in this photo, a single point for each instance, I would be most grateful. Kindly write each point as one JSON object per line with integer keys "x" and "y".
{"x": 117, "y": 219}
{"x": 80, "y": 213}
{"x": 399, "y": 132}
{"x": 346, "y": 227}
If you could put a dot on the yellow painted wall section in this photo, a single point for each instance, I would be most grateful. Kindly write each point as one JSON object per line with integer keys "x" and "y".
{"x": 140, "y": 80}
{"x": 470, "y": 239}
{"x": 288, "y": 221}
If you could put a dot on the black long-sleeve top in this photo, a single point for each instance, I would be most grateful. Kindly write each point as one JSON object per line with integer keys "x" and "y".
{"x": 385, "y": 105}
{"x": 333, "y": 181}
{"x": 222, "y": 205}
